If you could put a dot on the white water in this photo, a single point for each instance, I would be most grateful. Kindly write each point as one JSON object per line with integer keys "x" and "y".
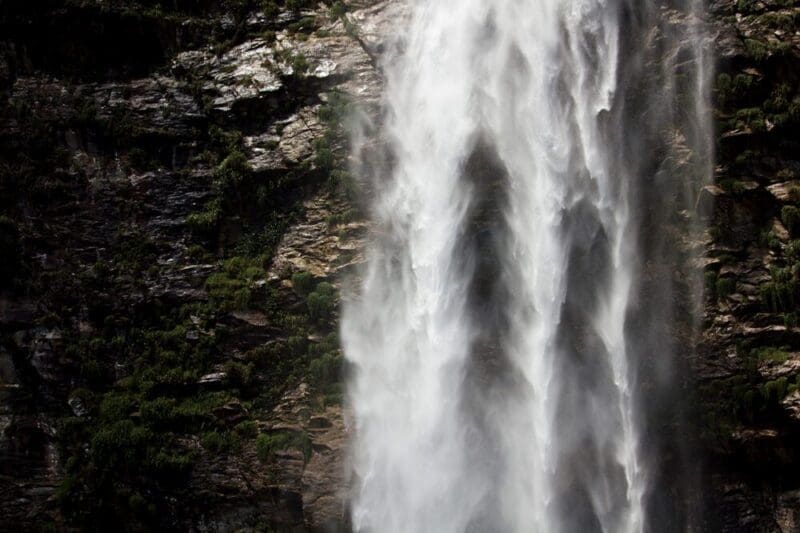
{"x": 532, "y": 83}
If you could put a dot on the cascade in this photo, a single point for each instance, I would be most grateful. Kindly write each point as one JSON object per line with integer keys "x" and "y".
{"x": 506, "y": 318}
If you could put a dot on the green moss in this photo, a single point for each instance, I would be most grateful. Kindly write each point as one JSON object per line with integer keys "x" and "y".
{"x": 790, "y": 216}
{"x": 321, "y": 302}
{"x": 305, "y": 24}
{"x": 779, "y": 99}
{"x": 263, "y": 241}
{"x": 735, "y": 187}
{"x": 198, "y": 253}
{"x": 775, "y": 391}
{"x": 302, "y": 283}
{"x": 296, "y": 344}
{"x": 228, "y": 293}
{"x": 300, "y": 64}
{"x": 121, "y": 444}
{"x": 239, "y": 375}
{"x": 233, "y": 171}
{"x": 745, "y": 6}
{"x": 711, "y": 284}
{"x": 724, "y": 287}
{"x": 246, "y": 429}
{"x": 268, "y": 444}
{"x": 159, "y": 413}
{"x": 793, "y": 252}
{"x": 345, "y": 217}
{"x": 779, "y": 294}
{"x": 326, "y": 369}
{"x": 751, "y": 118}
{"x": 768, "y": 239}
{"x": 133, "y": 252}
{"x": 297, "y": 5}
{"x": 205, "y": 222}
{"x": 324, "y": 157}
{"x": 771, "y": 353}
{"x": 338, "y": 9}
{"x": 337, "y": 108}
{"x": 756, "y": 50}
{"x": 329, "y": 344}
{"x": 219, "y": 442}
{"x": 747, "y": 157}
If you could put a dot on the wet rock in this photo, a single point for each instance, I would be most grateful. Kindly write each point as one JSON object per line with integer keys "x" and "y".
{"x": 785, "y": 191}
{"x": 314, "y": 244}
{"x": 792, "y": 405}
{"x": 231, "y": 413}
{"x": 319, "y": 422}
{"x": 157, "y": 105}
{"x": 213, "y": 379}
{"x": 787, "y": 514}
{"x": 247, "y": 72}
{"x": 16, "y": 312}
{"x": 78, "y": 407}
{"x": 253, "y": 318}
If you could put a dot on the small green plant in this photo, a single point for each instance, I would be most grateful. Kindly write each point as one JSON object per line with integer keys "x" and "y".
{"x": 711, "y": 284}
{"x": 745, "y": 6}
{"x": 735, "y": 187}
{"x": 771, "y": 353}
{"x": 793, "y": 252}
{"x": 769, "y": 240}
{"x": 756, "y": 50}
{"x": 321, "y": 302}
{"x": 338, "y": 9}
{"x": 300, "y": 64}
{"x": 204, "y": 222}
{"x": 228, "y": 293}
{"x": 724, "y": 287}
{"x": 217, "y": 442}
{"x": 239, "y": 375}
{"x": 302, "y": 283}
{"x": 233, "y": 170}
{"x": 247, "y": 429}
{"x": 268, "y": 444}
{"x": 779, "y": 294}
{"x": 775, "y": 391}
{"x": 305, "y": 24}
{"x": 326, "y": 369}
{"x": 751, "y": 118}
{"x": 790, "y": 216}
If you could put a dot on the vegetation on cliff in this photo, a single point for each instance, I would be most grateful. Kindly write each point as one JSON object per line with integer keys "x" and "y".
{"x": 137, "y": 222}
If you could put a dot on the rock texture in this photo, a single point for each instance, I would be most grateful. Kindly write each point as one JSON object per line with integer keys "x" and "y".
{"x": 117, "y": 122}
{"x": 746, "y": 366}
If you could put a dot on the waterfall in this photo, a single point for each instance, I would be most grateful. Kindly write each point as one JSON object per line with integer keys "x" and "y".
{"x": 500, "y": 335}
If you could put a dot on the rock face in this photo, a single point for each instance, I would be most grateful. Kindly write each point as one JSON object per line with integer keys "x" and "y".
{"x": 177, "y": 163}
{"x": 746, "y": 367}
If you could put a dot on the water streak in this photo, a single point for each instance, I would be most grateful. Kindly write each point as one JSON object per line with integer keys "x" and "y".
{"x": 495, "y": 386}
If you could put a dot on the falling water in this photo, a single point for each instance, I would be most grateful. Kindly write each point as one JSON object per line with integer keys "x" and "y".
{"x": 496, "y": 380}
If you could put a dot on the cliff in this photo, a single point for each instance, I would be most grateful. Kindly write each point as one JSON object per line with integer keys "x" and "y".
{"x": 177, "y": 214}
{"x": 746, "y": 364}
{"x": 176, "y": 209}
